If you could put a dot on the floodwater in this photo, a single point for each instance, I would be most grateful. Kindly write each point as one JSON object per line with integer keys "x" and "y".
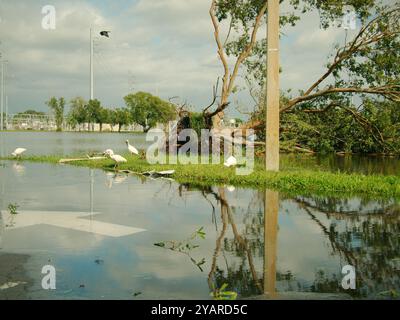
{"x": 67, "y": 143}
{"x": 82, "y": 143}
{"x": 99, "y": 233}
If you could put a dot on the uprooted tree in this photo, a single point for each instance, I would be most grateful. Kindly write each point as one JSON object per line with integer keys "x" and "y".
{"x": 366, "y": 69}
{"x": 370, "y": 61}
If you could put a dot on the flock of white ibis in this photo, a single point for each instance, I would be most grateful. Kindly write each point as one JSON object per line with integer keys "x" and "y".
{"x": 230, "y": 162}
{"x": 120, "y": 159}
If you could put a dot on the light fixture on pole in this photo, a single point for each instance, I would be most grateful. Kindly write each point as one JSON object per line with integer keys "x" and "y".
{"x": 91, "y": 65}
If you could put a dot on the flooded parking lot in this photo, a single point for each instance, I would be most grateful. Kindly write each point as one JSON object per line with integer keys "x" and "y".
{"x": 118, "y": 237}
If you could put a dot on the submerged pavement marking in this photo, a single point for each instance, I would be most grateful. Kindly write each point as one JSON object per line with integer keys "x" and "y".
{"x": 66, "y": 219}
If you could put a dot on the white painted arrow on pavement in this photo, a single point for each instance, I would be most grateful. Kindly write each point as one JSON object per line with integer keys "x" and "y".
{"x": 65, "y": 219}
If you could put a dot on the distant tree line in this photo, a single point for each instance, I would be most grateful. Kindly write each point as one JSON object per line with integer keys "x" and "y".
{"x": 141, "y": 108}
{"x": 32, "y": 112}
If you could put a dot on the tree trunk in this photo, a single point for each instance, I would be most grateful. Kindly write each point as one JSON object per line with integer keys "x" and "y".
{"x": 217, "y": 120}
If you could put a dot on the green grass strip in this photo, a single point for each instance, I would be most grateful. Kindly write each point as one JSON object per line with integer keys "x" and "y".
{"x": 294, "y": 180}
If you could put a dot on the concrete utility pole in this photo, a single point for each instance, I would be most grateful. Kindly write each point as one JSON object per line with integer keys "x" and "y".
{"x": 272, "y": 101}
{"x": 91, "y": 65}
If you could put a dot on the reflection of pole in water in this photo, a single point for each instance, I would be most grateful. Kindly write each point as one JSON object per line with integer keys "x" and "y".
{"x": 91, "y": 192}
{"x": 2, "y": 224}
{"x": 271, "y": 208}
{"x": 2, "y": 145}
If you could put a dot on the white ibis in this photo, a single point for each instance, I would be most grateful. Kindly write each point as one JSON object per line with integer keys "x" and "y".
{"x": 18, "y": 152}
{"x": 231, "y": 161}
{"x": 108, "y": 151}
{"x": 131, "y": 148}
{"x": 116, "y": 157}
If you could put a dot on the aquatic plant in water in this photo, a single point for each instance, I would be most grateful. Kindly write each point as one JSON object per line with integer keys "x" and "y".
{"x": 186, "y": 246}
{"x": 12, "y": 208}
{"x": 222, "y": 294}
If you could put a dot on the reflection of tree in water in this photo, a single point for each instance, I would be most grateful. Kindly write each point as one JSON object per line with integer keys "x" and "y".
{"x": 362, "y": 233}
{"x": 367, "y": 238}
{"x": 240, "y": 274}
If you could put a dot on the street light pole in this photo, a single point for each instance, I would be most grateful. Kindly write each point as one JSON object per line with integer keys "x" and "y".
{"x": 91, "y": 65}
{"x": 5, "y": 94}
{"x": 6, "y": 111}
{"x": 2, "y": 95}
{"x": 272, "y": 101}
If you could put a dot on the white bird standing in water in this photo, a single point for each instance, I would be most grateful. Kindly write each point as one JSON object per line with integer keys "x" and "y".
{"x": 116, "y": 157}
{"x": 18, "y": 152}
{"x": 231, "y": 161}
{"x": 131, "y": 148}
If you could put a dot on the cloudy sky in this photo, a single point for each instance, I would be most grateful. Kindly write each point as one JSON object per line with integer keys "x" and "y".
{"x": 165, "y": 47}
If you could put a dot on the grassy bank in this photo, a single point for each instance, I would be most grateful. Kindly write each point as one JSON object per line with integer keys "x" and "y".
{"x": 290, "y": 180}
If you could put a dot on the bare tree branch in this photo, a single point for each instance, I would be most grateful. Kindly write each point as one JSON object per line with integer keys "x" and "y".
{"x": 369, "y": 34}
{"x": 228, "y": 80}
{"x": 215, "y": 90}
{"x": 391, "y": 92}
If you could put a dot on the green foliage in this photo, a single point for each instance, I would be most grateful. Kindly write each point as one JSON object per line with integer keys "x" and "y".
{"x": 120, "y": 117}
{"x": 103, "y": 116}
{"x": 93, "y": 111}
{"x": 374, "y": 128}
{"x": 197, "y": 122}
{"x": 370, "y": 64}
{"x": 223, "y": 294}
{"x": 57, "y": 106}
{"x": 186, "y": 246}
{"x": 200, "y": 233}
{"x": 241, "y": 14}
{"x": 319, "y": 125}
{"x": 33, "y": 112}
{"x": 12, "y": 208}
{"x": 88, "y": 112}
{"x": 78, "y": 114}
{"x": 82, "y": 111}
{"x": 393, "y": 294}
{"x": 148, "y": 110}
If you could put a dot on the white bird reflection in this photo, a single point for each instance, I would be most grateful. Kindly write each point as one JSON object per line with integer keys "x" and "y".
{"x": 19, "y": 169}
{"x": 115, "y": 179}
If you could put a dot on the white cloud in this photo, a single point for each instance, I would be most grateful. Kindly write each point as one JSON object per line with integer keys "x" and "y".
{"x": 155, "y": 45}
